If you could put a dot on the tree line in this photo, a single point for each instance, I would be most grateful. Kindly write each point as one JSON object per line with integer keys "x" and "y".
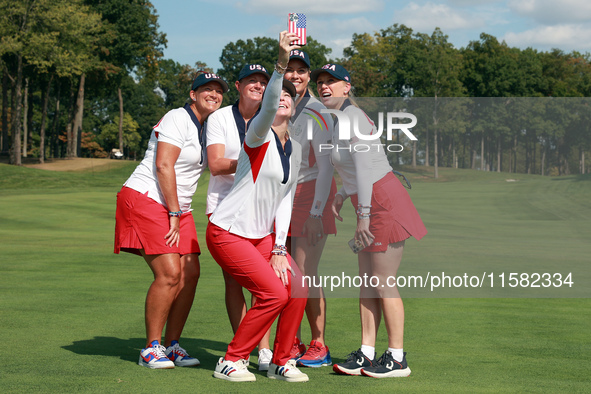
{"x": 84, "y": 77}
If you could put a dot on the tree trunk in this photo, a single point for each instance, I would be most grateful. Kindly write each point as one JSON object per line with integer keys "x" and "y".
{"x": 464, "y": 152}
{"x": 543, "y": 160}
{"x": 449, "y": 157}
{"x": 43, "y": 119}
{"x": 435, "y": 154}
{"x": 54, "y": 131}
{"x": 527, "y": 155}
{"x": 427, "y": 148}
{"x": 435, "y": 148}
{"x": 499, "y": 155}
{"x": 533, "y": 157}
{"x": 510, "y": 158}
{"x": 25, "y": 113}
{"x": 120, "y": 119}
{"x": 4, "y": 137}
{"x": 69, "y": 133}
{"x": 16, "y": 119}
{"x": 582, "y": 162}
{"x": 515, "y": 154}
{"x": 489, "y": 154}
{"x": 77, "y": 126}
{"x": 482, "y": 161}
{"x": 414, "y": 154}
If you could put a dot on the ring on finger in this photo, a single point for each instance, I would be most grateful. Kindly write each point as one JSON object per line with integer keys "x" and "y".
{"x": 283, "y": 270}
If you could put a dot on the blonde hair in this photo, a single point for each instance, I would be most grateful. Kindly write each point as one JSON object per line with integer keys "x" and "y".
{"x": 351, "y": 97}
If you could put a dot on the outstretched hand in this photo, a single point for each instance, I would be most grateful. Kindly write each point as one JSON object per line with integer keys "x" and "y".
{"x": 285, "y": 47}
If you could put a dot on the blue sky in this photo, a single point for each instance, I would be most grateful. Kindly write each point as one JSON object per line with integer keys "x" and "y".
{"x": 198, "y": 30}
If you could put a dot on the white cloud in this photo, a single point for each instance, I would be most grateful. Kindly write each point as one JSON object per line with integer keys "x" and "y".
{"x": 564, "y": 37}
{"x": 337, "y": 33}
{"x": 427, "y": 17}
{"x": 552, "y": 12}
{"x": 472, "y": 3}
{"x": 310, "y": 7}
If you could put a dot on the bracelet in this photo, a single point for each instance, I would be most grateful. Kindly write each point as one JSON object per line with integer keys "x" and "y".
{"x": 363, "y": 210}
{"x": 175, "y": 214}
{"x": 315, "y": 216}
{"x": 279, "y": 250}
{"x": 363, "y": 215}
{"x": 279, "y": 68}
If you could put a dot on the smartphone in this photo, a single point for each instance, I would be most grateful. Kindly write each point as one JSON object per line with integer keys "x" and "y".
{"x": 296, "y": 23}
{"x": 356, "y": 245}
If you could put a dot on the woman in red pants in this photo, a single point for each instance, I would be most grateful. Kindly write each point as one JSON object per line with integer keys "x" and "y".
{"x": 240, "y": 238}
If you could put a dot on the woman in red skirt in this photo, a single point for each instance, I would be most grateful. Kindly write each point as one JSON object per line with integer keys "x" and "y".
{"x": 386, "y": 217}
{"x": 154, "y": 220}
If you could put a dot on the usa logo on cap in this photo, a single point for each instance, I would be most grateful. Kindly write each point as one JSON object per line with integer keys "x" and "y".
{"x": 300, "y": 55}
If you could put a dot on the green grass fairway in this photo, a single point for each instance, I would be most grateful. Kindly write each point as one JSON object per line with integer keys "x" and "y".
{"x": 71, "y": 312}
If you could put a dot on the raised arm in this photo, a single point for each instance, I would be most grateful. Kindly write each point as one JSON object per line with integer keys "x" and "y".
{"x": 262, "y": 123}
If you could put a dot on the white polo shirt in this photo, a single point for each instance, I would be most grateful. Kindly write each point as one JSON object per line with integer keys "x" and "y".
{"x": 225, "y": 126}
{"x": 180, "y": 128}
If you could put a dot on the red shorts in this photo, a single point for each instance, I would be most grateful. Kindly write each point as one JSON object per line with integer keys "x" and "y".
{"x": 394, "y": 217}
{"x": 142, "y": 223}
{"x": 301, "y": 209}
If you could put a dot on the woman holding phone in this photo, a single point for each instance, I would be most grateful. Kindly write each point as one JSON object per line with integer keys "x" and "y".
{"x": 240, "y": 233}
{"x": 386, "y": 217}
{"x": 226, "y": 129}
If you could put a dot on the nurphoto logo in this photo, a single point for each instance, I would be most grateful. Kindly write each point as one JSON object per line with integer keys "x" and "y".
{"x": 344, "y": 130}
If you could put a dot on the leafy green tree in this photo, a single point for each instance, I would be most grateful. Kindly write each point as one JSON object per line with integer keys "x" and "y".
{"x": 263, "y": 51}
{"x": 136, "y": 41}
{"x": 109, "y": 136}
{"x": 146, "y": 105}
{"x": 435, "y": 74}
{"x": 490, "y": 68}
{"x": 48, "y": 36}
{"x": 567, "y": 74}
{"x": 360, "y": 60}
{"x": 175, "y": 79}
{"x": 381, "y": 65}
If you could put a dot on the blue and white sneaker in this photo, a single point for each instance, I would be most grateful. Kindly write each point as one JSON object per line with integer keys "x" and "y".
{"x": 154, "y": 357}
{"x": 234, "y": 371}
{"x": 179, "y": 356}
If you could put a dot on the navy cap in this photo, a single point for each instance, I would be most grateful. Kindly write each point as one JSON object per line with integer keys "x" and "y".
{"x": 289, "y": 87}
{"x": 300, "y": 55}
{"x": 336, "y": 70}
{"x": 250, "y": 69}
{"x": 204, "y": 78}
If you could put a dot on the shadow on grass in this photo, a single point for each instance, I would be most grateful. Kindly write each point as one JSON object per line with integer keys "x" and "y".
{"x": 576, "y": 178}
{"x": 128, "y": 349}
